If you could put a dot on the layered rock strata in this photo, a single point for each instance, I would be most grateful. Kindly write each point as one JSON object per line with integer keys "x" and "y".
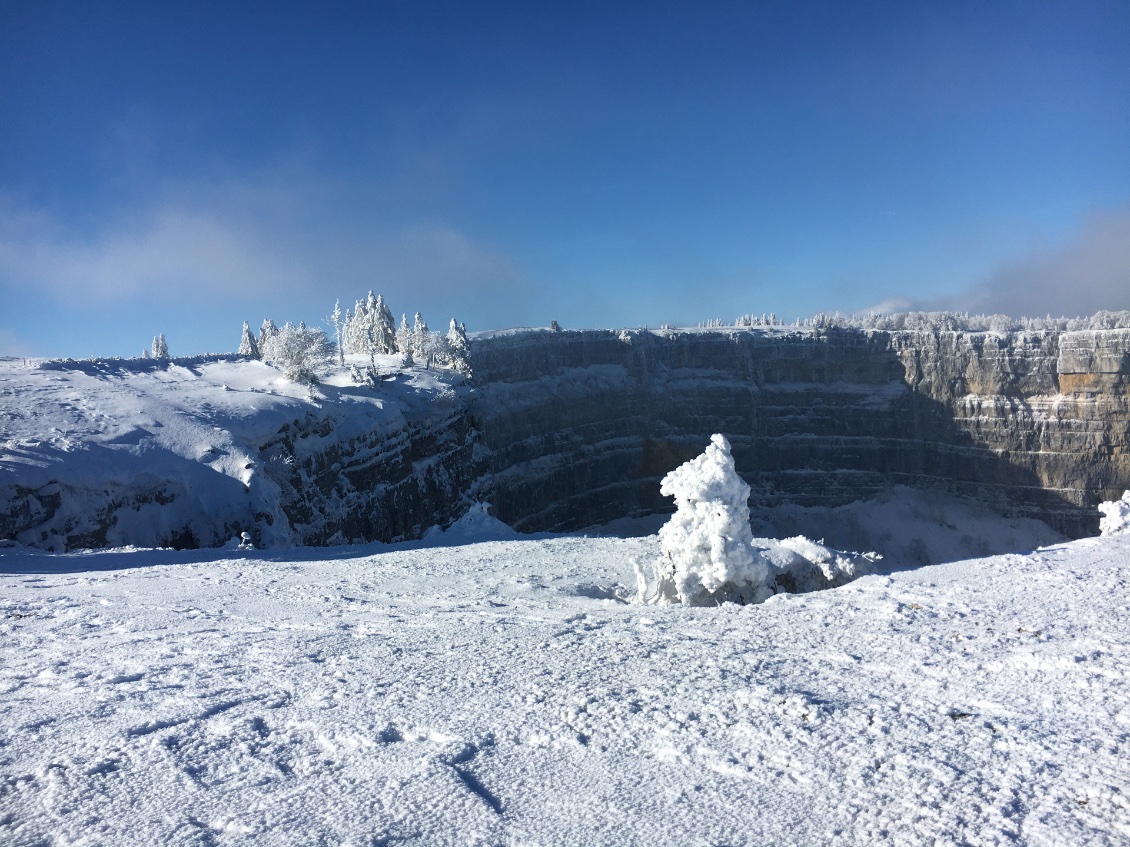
{"x": 578, "y": 427}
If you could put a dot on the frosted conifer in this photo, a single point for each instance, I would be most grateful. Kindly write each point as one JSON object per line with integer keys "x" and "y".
{"x": 385, "y": 327}
{"x": 708, "y": 553}
{"x": 336, "y": 323}
{"x": 247, "y": 344}
{"x": 160, "y": 347}
{"x": 458, "y": 348}
{"x": 267, "y": 331}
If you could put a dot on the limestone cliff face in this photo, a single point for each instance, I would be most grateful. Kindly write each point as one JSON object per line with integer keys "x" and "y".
{"x": 578, "y": 427}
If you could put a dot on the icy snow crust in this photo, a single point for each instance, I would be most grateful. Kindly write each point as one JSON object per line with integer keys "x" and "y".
{"x": 502, "y": 693}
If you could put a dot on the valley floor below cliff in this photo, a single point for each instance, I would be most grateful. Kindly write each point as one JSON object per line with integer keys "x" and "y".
{"x": 502, "y": 692}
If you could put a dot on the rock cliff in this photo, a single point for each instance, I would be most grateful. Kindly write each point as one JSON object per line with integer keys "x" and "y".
{"x": 560, "y": 430}
{"x": 578, "y": 427}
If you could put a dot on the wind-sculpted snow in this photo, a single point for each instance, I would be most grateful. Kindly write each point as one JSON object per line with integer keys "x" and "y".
{"x": 502, "y": 693}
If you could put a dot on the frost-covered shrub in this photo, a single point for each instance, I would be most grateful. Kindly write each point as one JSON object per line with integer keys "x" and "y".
{"x": 707, "y": 546}
{"x": 800, "y": 564}
{"x": 303, "y": 355}
{"x": 1116, "y": 516}
{"x": 709, "y": 554}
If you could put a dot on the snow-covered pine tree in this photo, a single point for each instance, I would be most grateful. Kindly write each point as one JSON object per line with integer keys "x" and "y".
{"x": 458, "y": 348}
{"x": 707, "y": 545}
{"x": 267, "y": 331}
{"x": 346, "y": 328}
{"x": 421, "y": 343}
{"x": 385, "y": 326}
{"x": 371, "y": 346}
{"x": 337, "y": 324}
{"x": 247, "y": 344}
{"x": 160, "y": 347}
{"x": 404, "y": 342}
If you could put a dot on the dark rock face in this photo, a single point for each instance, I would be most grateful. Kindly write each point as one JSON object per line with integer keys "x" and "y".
{"x": 578, "y": 427}
{"x": 376, "y": 485}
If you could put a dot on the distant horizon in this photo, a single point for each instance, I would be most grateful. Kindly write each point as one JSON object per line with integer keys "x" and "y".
{"x": 806, "y": 322}
{"x": 182, "y": 168}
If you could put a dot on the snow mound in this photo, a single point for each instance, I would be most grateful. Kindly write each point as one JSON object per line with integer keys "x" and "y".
{"x": 800, "y": 564}
{"x": 478, "y": 524}
{"x": 1116, "y": 516}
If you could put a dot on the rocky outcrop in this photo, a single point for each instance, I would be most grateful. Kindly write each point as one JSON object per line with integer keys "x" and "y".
{"x": 578, "y": 427}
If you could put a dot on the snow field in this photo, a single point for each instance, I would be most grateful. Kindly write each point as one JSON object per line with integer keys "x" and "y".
{"x": 502, "y": 693}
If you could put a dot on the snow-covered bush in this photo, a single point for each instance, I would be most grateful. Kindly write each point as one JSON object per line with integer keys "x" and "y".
{"x": 303, "y": 355}
{"x": 160, "y": 347}
{"x": 800, "y": 564}
{"x": 709, "y": 554}
{"x": 707, "y": 546}
{"x": 1116, "y": 516}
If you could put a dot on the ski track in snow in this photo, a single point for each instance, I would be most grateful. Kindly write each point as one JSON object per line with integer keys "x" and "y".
{"x": 503, "y": 693}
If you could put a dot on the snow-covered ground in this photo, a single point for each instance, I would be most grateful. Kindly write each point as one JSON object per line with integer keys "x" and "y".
{"x": 502, "y": 692}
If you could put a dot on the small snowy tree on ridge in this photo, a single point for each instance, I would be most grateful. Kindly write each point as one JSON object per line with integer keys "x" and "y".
{"x": 160, "y": 347}
{"x": 303, "y": 354}
{"x": 248, "y": 346}
{"x": 1115, "y": 518}
{"x": 708, "y": 553}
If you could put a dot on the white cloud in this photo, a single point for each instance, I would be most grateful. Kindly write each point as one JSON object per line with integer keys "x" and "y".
{"x": 1087, "y": 274}
{"x": 1090, "y": 273}
{"x": 169, "y": 253}
{"x": 272, "y": 241}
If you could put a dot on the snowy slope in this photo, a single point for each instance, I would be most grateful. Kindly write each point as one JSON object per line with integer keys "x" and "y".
{"x": 190, "y": 452}
{"x": 502, "y": 693}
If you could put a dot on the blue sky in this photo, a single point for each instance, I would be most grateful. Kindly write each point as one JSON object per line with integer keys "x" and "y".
{"x": 183, "y": 167}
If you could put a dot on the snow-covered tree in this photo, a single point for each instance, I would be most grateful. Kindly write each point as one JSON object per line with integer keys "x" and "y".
{"x": 1115, "y": 518}
{"x": 458, "y": 348}
{"x": 384, "y": 325}
{"x": 160, "y": 347}
{"x": 304, "y": 355}
{"x": 248, "y": 346}
{"x": 404, "y": 342}
{"x": 421, "y": 342}
{"x": 267, "y": 331}
{"x": 369, "y": 328}
{"x": 337, "y": 324}
{"x": 707, "y": 546}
